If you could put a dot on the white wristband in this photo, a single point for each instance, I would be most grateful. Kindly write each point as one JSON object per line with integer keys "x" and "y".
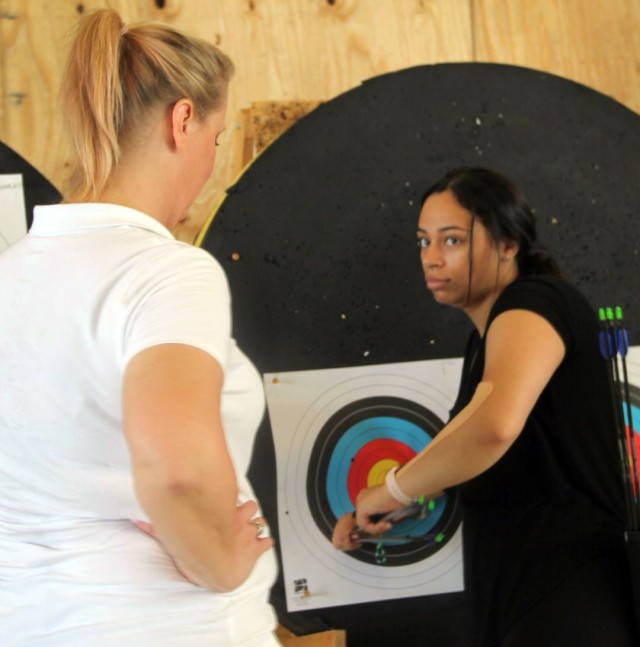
{"x": 394, "y": 489}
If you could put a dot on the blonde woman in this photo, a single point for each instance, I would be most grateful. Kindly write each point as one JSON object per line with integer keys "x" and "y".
{"x": 127, "y": 412}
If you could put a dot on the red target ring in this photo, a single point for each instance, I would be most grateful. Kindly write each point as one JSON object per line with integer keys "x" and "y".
{"x": 371, "y": 463}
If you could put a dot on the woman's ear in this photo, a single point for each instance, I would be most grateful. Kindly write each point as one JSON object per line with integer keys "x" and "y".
{"x": 508, "y": 249}
{"x": 182, "y": 116}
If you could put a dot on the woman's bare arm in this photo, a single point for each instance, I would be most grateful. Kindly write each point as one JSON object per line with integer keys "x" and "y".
{"x": 183, "y": 474}
{"x": 523, "y": 351}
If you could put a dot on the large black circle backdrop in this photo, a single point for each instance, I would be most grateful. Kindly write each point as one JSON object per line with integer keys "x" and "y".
{"x": 318, "y": 240}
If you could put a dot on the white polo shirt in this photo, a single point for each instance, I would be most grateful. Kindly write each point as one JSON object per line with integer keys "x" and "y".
{"x": 90, "y": 286}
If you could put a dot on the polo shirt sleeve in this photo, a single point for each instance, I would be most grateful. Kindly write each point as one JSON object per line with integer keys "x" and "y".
{"x": 180, "y": 297}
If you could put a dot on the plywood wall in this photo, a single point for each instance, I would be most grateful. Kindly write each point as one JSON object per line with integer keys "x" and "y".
{"x": 297, "y": 51}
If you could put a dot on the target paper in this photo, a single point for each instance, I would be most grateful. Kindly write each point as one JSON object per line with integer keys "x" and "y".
{"x": 13, "y": 223}
{"x": 335, "y": 432}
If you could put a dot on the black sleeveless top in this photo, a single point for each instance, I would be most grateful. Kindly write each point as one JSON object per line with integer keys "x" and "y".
{"x": 554, "y": 501}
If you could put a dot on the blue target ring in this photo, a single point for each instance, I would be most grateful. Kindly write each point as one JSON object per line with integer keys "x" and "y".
{"x": 354, "y": 440}
{"x": 357, "y": 438}
{"x": 360, "y": 440}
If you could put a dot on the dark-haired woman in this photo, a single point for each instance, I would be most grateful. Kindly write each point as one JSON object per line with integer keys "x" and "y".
{"x": 530, "y": 441}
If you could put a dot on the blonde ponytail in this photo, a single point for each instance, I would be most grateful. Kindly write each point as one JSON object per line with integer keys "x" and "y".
{"x": 92, "y": 99}
{"x": 116, "y": 74}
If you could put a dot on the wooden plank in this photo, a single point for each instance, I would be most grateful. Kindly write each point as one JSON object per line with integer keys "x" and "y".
{"x": 332, "y": 638}
{"x": 313, "y": 50}
{"x": 35, "y": 37}
{"x": 287, "y": 50}
{"x": 594, "y": 42}
{"x": 268, "y": 120}
{"x": 284, "y": 50}
{"x": 324, "y": 639}
{"x": 29, "y": 78}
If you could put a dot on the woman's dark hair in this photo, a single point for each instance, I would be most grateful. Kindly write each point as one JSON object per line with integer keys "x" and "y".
{"x": 501, "y": 207}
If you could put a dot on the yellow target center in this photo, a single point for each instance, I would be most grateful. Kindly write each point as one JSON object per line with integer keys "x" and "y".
{"x": 379, "y": 471}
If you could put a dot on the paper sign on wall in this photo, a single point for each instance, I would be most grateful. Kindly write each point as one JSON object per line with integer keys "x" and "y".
{"x": 13, "y": 213}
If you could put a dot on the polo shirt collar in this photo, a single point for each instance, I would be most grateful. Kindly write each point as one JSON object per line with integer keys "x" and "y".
{"x": 57, "y": 219}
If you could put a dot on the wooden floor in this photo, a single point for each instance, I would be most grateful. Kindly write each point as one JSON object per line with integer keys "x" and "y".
{"x": 296, "y": 51}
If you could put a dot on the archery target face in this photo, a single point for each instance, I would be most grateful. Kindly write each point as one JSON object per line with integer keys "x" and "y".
{"x": 633, "y": 370}
{"x": 335, "y": 432}
{"x": 355, "y": 449}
